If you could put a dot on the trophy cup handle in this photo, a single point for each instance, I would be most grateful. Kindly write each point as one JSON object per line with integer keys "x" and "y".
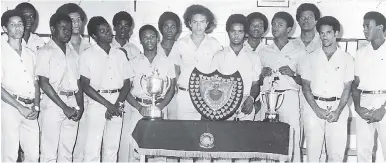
{"x": 168, "y": 83}
{"x": 263, "y": 100}
{"x": 280, "y": 102}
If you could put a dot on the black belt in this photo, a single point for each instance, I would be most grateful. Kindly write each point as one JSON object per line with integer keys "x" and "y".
{"x": 182, "y": 89}
{"x": 109, "y": 91}
{"x": 326, "y": 99}
{"x": 280, "y": 91}
{"x": 374, "y": 92}
{"x": 67, "y": 93}
{"x": 147, "y": 101}
{"x": 24, "y": 100}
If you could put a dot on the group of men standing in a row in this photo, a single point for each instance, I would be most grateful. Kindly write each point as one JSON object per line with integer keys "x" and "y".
{"x": 92, "y": 97}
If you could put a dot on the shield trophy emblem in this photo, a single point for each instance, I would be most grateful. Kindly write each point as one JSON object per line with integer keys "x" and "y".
{"x": 216, "y": 96}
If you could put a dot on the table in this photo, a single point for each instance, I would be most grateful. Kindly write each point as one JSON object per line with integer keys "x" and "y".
{"x": 214, "y": 139}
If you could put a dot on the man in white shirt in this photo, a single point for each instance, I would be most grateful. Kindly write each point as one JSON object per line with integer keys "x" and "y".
{"x": 123, "y": 27}
{"x": 258, "y": 25}
{"x": 237, "y": 57}
{"x": 79, "y": 45}
{"x": 193, "y": 50}
{"x": 307, "y": 14}
{"x": 146, "y": 64}
{"x": 327, "y": 74}
{"x": 62, "y": 103}
{"x": 105, "y": 77}
{"x": 30, "y": 39}
{"x": 280, "y": 62}
{"x": 18, "y": 93}
{"x": 369, "y": 88}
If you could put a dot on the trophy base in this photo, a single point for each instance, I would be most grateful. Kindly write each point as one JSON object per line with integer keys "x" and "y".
{"x": 151, "y": 118}
{"x": 269, "y": 117}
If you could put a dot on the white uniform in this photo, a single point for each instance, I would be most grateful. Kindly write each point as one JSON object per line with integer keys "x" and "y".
{"x": 80, "y": 139}
{"x": 131, "y": 50}
{"x": 186, "y": 55}
{"x": 290, "y": 55}
{"x": 258, "y": 48}
{"x": 17, "y": 78}
{"x": 369, "y": 67}
{"x": 327, "y": 79}
{"x": 106, "y": 72}
{"x": 142, "y": 66}
{"x": 247, "y": 63}
{"x": 58, "y": 132}
{"x": 34, "y": 42}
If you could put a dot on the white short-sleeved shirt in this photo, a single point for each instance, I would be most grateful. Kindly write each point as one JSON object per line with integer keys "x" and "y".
{"x": 314, "y": 45}
{"x": 258, "y": 48}
{"x": 328, "y": 77}
{"x": 186, "y": 55}
{"x": 370, "y": 66}
{"x": 105, "y": 71}
{"x": 142, "y": 66}
{"x": 131, "y": 49}
{"x": 274, "y": 58}
{"x": 84, "y": 44}
{"x": 246, "y": 62}
{"x": 17, "y": 71}
{"x": 62, "y": 69}
{"x": 34, "y": 42}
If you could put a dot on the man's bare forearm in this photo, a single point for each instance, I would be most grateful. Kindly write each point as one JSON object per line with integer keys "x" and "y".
{"x": 124, "y": 91}
{"x": 307, "y": 92}
{"x": 8, "y": 98}
{"x": 356, "y": 94}
{"x": 92, "y": 93}
{"x": 79, "y": 96}
{"x": 37, "y": 93}
{"x": 255, "y": 89}
{"x": 344, "y": 97}
{"x": 169, "y": 95}
{"x": 50, "y": 92}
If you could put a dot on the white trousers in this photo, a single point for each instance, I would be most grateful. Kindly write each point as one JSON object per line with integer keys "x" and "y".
{"x": 365, "y": 131}
{"x": 319, "y": 132}
{"x": 81, "y": 137}
{"x": 99, "y": 129}
{"x": 17, "y": 129}
{"x": 185, "y": 108}
{"x": 58, "y": 132}
{"x": 289, "y": 112}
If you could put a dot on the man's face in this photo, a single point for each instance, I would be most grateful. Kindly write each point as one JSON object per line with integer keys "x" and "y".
{"x": 104, "y": 33}
{"x": 62, "y": 31}
{"x": 370, "y": 29}
{"x": 236, "y": 34}
{"x": 76, "y": 22}
{"x": 169, "y": 29}
{"x": 122, "y": 29}
{"x": 327, "y": 35}
{"x": 14, "y": 28}
{"x": 307, "y": 20}
{"x": 29, "y": 16}
{"x": 256, "y": 28}
{"x": 148, "y": 39}
{"x": 279, "y": 28}
{"x": 198, "y": 24}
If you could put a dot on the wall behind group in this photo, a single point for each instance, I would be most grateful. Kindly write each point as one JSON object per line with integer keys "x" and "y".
{"x": 348, "y": 12}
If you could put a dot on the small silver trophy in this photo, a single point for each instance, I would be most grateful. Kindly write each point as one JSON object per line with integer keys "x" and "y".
{"x": 154, "y": 86}
{"x": 272, "y": 101}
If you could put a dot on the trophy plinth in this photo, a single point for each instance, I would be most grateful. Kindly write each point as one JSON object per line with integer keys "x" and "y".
{"x": 272, "y": 101}
{"x": 154, "y": 86}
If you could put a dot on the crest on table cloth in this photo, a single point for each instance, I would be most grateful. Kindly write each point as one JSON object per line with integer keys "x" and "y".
{"x": 216, "y": 96}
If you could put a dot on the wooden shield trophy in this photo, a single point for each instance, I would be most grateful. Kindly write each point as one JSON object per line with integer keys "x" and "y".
{"x": 216, "y": 96}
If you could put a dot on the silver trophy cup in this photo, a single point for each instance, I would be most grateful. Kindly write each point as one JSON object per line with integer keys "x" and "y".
{"x": 154, "y": 86}
{"x": 272, "y": 101}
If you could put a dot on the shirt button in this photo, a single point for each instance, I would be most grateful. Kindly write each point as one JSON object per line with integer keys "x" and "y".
{"x": 25, "y": 70}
